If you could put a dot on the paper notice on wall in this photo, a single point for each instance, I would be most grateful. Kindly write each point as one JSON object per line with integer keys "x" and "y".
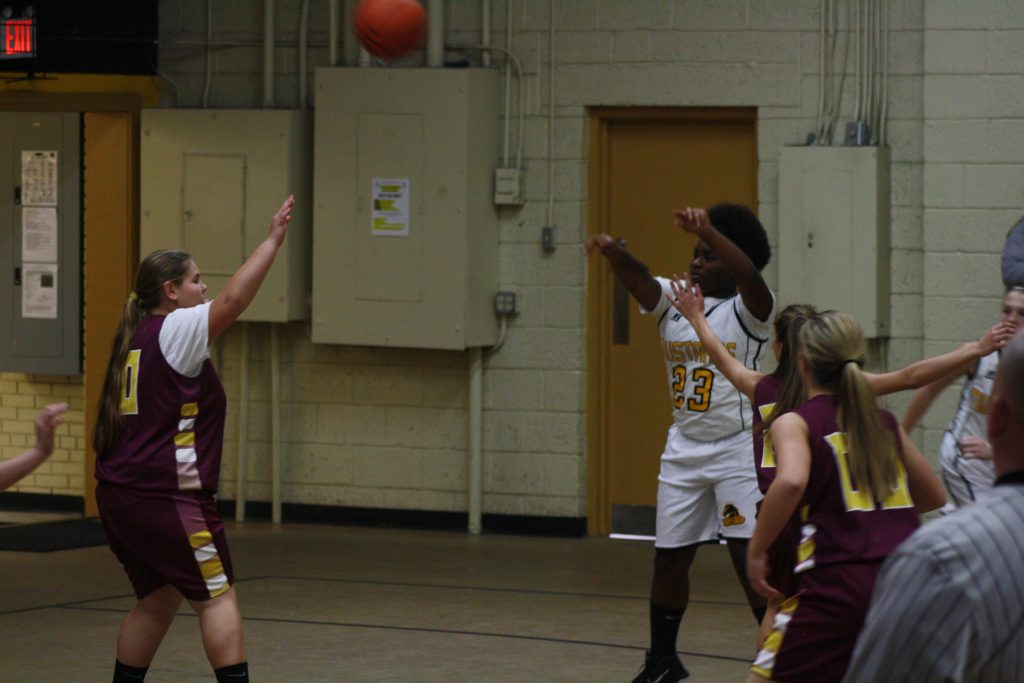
{"x": 39, "y": 178}
{"x": 391, "y": 207}
{"x": 38, "y": 235}
{"x": 39, "y": 290}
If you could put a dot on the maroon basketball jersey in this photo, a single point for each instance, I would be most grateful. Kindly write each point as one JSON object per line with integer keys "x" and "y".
{"x": 173, "y": 425}
{"x": 766, "y": 393}
{"x": 843, "y": 523}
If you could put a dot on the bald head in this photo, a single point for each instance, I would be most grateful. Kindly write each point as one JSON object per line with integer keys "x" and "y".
{"x": 1006, "y": 409}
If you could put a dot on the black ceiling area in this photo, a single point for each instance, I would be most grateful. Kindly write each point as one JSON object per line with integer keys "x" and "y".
{"x": 87, "y": 36}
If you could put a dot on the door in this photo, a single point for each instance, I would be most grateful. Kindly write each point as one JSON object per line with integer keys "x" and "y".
{"x": 644, "y": 163}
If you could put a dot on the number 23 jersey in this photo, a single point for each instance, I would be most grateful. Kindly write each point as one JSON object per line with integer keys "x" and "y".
{"x": 705, "y": 405}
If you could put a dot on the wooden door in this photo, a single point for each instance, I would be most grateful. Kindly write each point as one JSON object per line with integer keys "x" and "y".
{"x": 644, "y": 163}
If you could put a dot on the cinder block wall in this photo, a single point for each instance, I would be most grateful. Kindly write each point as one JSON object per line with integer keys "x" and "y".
{"x": 973, "y": 183}
{"x": 386, "y": 428}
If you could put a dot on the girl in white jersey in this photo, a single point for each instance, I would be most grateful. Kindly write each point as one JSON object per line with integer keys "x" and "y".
{"x": 965, "y": 454}
{"x": 706, "y": 487}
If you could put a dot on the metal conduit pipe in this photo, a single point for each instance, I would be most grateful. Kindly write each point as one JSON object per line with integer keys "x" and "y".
{"x": 435, "y": 33}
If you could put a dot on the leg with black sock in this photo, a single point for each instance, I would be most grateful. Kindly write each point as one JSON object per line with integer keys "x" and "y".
{"x": 235, "y": 673}
{"x": 128, "y": 674}
{"x": 670, "y": 594}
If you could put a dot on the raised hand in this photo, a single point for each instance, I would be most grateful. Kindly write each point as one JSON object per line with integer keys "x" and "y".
{"x": 279, "y": 223}
{"x": 47, "y": 421}
{"x": 693, "y": 221}
{"x": 997, "y": 336}
{"x": 599, "y": 242}
{"x": 686, "y": 299}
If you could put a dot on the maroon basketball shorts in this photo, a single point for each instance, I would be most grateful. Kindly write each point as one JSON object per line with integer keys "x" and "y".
{"x": 814, "y": 632}
{"x": 167, "y": 537}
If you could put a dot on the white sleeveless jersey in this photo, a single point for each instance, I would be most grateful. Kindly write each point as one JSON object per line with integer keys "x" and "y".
{"x": 971, "y": 417}
{"x": 705, "y": 405}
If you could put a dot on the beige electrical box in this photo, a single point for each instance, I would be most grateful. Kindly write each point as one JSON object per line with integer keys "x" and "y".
{"x": 834, "y": 232}
{"x": 212, "y": 179}
{"x": 405, "y": 232}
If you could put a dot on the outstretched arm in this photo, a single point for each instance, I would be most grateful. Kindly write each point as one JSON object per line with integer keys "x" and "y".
{"x": 930, "y": 369}
{"x": 752, "y": 288}
{"x": 240, "y": 290}
{"x": 49, "y": 418}
{"x": 690, "y": 302}
{"x": 925, "y": 396}
{"x": 634, "y": 274}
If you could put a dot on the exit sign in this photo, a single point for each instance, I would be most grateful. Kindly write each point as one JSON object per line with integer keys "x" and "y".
{"x": 17, "y": 38}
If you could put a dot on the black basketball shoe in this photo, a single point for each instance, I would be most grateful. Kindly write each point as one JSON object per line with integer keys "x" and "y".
{"x": 665, "y": 670}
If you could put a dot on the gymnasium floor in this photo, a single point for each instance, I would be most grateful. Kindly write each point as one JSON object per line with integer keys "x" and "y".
{"x": 330, "y": 603}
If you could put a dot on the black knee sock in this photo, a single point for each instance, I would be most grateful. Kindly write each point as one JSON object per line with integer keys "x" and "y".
{"x": 235, "y": 673}
{"x": 664, "y": 629}
{"x": 128, "y": 674}
{"x": 759, "y": 613}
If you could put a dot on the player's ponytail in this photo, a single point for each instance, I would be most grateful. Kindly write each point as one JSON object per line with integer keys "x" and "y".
{"x": 156, "y": 269}
{"x": 834, "y": 347}
{"x": 788, "y": 324}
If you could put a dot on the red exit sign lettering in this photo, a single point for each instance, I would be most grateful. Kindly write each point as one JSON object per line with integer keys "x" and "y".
{"x": 17, "y": 38}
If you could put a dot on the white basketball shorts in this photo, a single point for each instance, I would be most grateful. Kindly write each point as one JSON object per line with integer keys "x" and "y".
{"x": 707, "y": 490}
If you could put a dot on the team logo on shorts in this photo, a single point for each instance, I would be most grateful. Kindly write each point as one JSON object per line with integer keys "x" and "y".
{"x": 731, "y": 516}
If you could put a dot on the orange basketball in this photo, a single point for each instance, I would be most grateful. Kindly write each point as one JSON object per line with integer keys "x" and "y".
{"x": 390, "y": 28}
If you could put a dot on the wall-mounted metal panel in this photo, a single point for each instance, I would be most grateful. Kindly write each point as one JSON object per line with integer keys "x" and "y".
{"x": 405, "y": 229}
{"x": 40, "y": 243}
{"x": 211, "y": 180}
{"x": 834, "y": 232}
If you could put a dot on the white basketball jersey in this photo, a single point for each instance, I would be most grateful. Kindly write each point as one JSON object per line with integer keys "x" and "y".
{"x": 705, "y": 405}
{"x": 971, "y": 417}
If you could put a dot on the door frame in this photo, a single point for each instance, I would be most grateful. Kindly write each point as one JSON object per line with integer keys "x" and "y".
{"x": 599, "y": 287}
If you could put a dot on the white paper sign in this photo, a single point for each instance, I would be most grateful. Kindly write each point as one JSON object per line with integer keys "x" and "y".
{"x": 38, "y": 235}
{"x": 39, "y": 290}
{"x": 391, "y": 207}
{"x": 39, "y": 178}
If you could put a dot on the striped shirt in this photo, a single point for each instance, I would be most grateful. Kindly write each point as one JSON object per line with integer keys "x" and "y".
{"x": 949, "y": 603}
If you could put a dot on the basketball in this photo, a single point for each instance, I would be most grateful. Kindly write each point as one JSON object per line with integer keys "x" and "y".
{"x": 390, "y": 28}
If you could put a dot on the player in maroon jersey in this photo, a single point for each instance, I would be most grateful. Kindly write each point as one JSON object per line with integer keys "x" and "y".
{"x": 859, "y": 484}
{"x": 158, "y": 441}
{"x": 782, "y": 390}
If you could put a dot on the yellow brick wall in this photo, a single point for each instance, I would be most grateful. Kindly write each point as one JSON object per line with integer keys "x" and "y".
{"x": 21, "y": 397}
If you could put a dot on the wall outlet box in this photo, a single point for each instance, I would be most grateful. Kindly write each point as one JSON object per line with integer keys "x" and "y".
{"x": 508, "y": 186}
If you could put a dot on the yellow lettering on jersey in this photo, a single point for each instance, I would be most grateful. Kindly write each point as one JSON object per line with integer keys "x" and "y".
{"x": 130, "y": 394}
{"x": 768, "y": 452}
{"x": 731, "y": 348}
{"x": 979, "y": 402}
{"x": 899, "y": 496}
{"x": 853, "y": 498}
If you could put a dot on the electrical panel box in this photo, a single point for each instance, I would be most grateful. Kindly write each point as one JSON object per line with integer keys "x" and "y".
{"x": 405, "y": 231}
{"x": 834, "y": 232}
{"x": 211, "y": 181}
{"x": 40, "y": 243}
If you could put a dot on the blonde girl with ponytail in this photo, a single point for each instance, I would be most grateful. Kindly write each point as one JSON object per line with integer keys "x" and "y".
{"x": 858, "y": 485}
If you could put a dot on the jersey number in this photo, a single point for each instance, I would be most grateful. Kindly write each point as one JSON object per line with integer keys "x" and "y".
{"x": 702, "y": 378}
{"x": 130, "y": 395}
{"x": 855, "y": 499}
{"x": 767, "y": 451}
